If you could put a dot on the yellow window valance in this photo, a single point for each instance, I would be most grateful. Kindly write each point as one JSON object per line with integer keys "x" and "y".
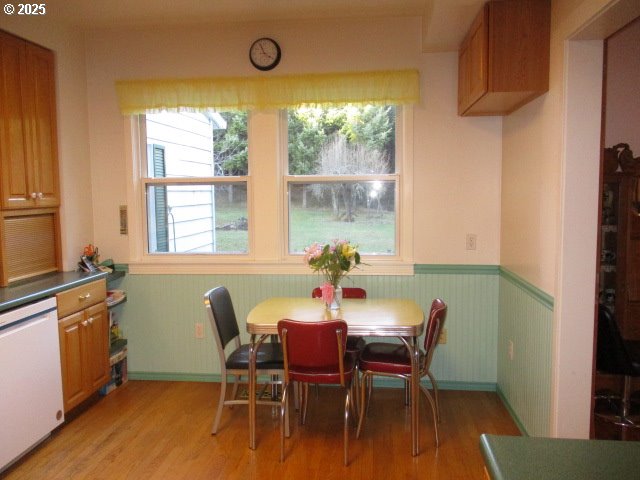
{"x": 381, "y": 87}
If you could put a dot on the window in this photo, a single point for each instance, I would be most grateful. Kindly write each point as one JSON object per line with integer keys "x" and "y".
{"x": 196, "y": 182}
{"x": 342, "y": 180}
{"x": 246, "y": 192}
{"x": 226, "y": 192}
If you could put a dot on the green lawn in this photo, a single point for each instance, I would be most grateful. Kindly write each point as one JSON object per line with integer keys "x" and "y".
{"x": 373, "y": 231}
{"x": 231, "y": 241}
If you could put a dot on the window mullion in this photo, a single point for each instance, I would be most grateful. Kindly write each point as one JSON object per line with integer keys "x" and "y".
{"x": 265, "y": 204}
{"x": 194, "y": 180}
{"x": 340, "y": 178}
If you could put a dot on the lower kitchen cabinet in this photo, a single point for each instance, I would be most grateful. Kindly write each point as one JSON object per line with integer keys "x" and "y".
{"x": 84, "y": 341}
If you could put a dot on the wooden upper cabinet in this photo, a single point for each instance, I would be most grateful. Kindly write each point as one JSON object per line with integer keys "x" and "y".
{"x": 503, "y": 62}
{"x": 28, "y": 135}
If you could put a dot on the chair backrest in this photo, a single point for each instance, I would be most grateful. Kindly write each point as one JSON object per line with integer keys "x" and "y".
{"x": 612, "y": 355}
{"x": 347, "y": 292}
{"x": 221, "y": 315}
{"x": 313, "y": 347}
{"x": 435, "y": 323}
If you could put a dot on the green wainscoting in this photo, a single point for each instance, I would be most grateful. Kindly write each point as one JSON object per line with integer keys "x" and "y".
{"x": 161, "y": 311}
{"x": 524, "y": 383}
{"x": 488, "y": 306}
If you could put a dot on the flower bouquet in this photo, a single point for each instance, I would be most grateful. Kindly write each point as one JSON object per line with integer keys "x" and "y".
{"x": 334, "y": 261}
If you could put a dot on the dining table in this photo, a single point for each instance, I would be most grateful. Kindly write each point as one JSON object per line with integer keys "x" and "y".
{"x": 372, "y": 317}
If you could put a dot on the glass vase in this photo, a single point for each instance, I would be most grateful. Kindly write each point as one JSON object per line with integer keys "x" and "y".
{"x": 337, "y": 298}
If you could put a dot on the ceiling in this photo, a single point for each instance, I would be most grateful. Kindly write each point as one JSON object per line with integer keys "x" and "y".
{"x": 444, "y": 21}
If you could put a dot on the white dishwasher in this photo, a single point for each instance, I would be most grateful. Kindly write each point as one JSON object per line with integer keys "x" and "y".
{"x": 30, "y": 378}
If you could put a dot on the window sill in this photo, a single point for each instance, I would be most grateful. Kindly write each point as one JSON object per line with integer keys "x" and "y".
{"x": 199, "y": 267}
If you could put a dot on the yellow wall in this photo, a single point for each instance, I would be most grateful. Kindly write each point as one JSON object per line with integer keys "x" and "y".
{"x": 456, "y": 160}
{"x": 532, "y": 154}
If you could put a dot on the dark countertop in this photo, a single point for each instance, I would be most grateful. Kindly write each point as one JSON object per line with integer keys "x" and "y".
{"x": 28, "y": 291}
{"x": 523, "y": 458}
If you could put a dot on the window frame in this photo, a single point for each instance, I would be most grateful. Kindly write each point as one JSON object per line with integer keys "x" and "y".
{"x": 148, "y": 181}
{"x": 267, "y": 205}
{"x": 403, "y": 183}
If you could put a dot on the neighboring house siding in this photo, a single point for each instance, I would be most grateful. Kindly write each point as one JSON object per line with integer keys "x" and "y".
{"x": 188, "y": 152}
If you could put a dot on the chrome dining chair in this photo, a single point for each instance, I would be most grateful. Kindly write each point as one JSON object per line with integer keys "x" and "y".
{"x": 314, "y": 352}
{"x": 392, "y": 360}
{"x": 269, "y": 360}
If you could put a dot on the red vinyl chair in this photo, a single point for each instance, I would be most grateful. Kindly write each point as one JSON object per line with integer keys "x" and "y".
{"x": 314, "y": 352}
{"x": 392, "y": 360}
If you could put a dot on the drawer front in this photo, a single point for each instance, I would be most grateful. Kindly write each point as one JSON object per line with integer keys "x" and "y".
{"x": 79, "y": 298}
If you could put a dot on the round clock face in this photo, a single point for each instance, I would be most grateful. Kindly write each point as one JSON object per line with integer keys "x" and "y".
{"x": 264, "y": 54}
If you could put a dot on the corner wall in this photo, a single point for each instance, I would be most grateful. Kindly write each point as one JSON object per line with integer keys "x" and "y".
{"x": 551, "y": 152}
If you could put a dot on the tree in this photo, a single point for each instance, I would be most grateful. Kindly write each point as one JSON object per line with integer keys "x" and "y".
{"x": 340, "y": 157}
{"x": 305, "y": 141}
{"x": 374, "y": 127}
{"x": 230, "y": 147}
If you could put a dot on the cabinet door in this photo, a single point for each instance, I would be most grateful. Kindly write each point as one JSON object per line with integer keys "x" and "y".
{"x": 42, "y": 126}
{"x": 14, "y": 147}
{"x": 472, "y": 63}
{"x": 28, "y": 134}
{"x": 72, "y": 354}
{"x": 478, "y": 56}
{"x": 96, "y": 322}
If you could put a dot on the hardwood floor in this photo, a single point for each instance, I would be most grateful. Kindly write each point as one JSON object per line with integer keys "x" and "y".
{"x": 161, "y": 430}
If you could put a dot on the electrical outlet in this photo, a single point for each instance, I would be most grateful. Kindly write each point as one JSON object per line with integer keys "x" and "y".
{"x": 443, "y": 336}
{"x": 510, "y": 350}
{"x": 472, "y": 240}
{"x": 199, "y": 330}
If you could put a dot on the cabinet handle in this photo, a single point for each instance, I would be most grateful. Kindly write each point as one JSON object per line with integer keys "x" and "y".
{"x": 34, "y": 195}
{"x": 90, "y": 320}
{"x": 85, "y": 323}
{"x": 84, "y": 297}
{"x": 40, "y": 195}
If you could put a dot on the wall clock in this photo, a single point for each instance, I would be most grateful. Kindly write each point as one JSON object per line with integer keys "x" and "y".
{"x": 265, "y": 54}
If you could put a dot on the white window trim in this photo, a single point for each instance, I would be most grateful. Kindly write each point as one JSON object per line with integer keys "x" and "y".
{"x": 267, "y": 246}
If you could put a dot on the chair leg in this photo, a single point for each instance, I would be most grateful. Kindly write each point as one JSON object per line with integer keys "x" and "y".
{"x": 435, "y": 393}
{"x": 407, "y": 391}
{"x": 287, "y": 428}
{"x": 363, "y": 401}
{"x": 355, "y": 389}
{"x": 433, "y": 410}
{"x": 283, "y": 414}
{"x": 304, "y": 397}
{"x": 370, "y": 382}
{"x": 347, "y": 407}
{"x": 355, "y": 412}
{"x": 223, "y": 392}
{"x": 274, "y": 387}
